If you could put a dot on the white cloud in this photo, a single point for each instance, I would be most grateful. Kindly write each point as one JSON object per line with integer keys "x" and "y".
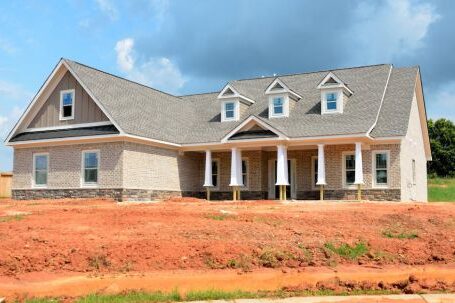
{"x": 13, "y": 91}
{"x": 388, "y": 29}
{"x": 7, "y": 47}
{"x": 124, "y": 49}
{"x": 108, "y": 8}
{"x": 440, "y": 102}
{"x": 157, "y": 72}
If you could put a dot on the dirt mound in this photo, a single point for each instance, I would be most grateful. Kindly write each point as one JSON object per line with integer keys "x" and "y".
{"x": 91, "y": 236}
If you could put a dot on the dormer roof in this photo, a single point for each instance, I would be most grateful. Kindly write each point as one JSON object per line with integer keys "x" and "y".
{"x": 278, "y": 86}
{"x": 332, "y": 81}
{"x": 229, "y": 92}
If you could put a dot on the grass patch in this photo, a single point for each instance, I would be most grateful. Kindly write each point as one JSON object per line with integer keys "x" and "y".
{"x": 388, "y": 233}
{"x": 12, "y": 218}
{"x": 133, "y": 297}
{"x": 347, "y": 251}
{"x": 206, "y": 295}
{"x": 270, "y": 257}
{"x": 441, "y": 189}
{"x": 218, "y": 217}
{"x": 243, "y": 262}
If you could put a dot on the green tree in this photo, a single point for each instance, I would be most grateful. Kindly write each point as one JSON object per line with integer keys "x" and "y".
{"x": 442, "y": 140}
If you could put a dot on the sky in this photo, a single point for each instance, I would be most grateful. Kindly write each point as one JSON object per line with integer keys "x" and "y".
{"x": 185, "y": 47}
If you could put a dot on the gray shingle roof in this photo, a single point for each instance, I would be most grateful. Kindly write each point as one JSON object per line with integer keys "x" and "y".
{"x": 143, "y": 111}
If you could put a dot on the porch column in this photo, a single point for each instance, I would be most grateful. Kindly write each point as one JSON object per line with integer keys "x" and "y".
{"x": 208, "y": 172}
{"x": 236, "y": 172}
{"x": 358, "y": 169}
{"x": 282, "y": 170}
{"x": 321, "y": 171}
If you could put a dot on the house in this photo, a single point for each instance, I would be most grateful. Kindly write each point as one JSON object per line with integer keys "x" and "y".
{"x": 342, "y": 134}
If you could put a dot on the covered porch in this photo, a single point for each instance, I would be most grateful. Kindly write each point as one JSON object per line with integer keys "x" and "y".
{"x": 311, "y": 171}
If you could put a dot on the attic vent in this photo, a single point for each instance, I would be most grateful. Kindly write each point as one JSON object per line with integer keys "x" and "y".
{"x": 331, "y": 81}
{"x": 228, "y": 92}
{"x": 277, "y": 86}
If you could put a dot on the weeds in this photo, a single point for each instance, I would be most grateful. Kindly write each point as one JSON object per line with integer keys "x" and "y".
{"x": 134, "y": 296}
{"x": 307, "y": 254}
{"x": 243, "y": 262}
{"x": 12, "y": 218}
{"x": 211, "y": 262}
{"x": 388, "y": 233}
{"x": 347, "y": 251}
{"x": 218, "y": 217}
{"x": 272, "y": 258}
{"x": 98, "y": 261}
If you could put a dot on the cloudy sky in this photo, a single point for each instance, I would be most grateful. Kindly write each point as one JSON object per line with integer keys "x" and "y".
{"x": 197, "y": 46}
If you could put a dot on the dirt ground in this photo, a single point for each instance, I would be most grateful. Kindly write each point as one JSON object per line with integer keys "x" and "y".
{"x": 68, "y": 237}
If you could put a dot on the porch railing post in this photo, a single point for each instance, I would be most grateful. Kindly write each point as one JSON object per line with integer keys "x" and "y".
{"x": 321, "y": 171}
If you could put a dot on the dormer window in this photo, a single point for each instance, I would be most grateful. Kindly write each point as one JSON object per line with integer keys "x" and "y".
{"x": 67, "y": 104}
{"x": 229, "y": 110}
{"x": 280, "y": 97}
{"x": 278, "y": 106}
{"x": 331, "y": 101}
{"x": 333, "y": 94}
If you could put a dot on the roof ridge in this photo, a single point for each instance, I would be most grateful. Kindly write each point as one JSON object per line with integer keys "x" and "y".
{"x": 119, "y": 77}
{"x": 313, "y": 72}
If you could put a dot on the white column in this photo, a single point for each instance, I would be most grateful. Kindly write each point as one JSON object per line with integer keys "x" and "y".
{"x": 358, "y": 164}
{"x": 321, "y": 165}
{"x": 282, "y": 166}
{"x": 236, "y": 167}
{"x": 208, "y": 169}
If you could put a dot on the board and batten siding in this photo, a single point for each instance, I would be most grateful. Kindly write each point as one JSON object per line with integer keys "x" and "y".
{"x": 86, "y": 110}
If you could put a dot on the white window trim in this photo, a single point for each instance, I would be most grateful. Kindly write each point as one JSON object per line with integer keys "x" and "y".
{"x": 343, "y": 171}
{"x": 339, "y": 94}
{"x": 90, "y": 184}
{"x": 285, "y": 113}
{"x": 246, "y": 185}
{"x": 218, "y": 179}
{"x": 373, "y": 165}
{"x": 236, "y": 110}
{"x": 313, "y": 172}
{"x": 34, "y": 185}
{"x": 62, "y": 92}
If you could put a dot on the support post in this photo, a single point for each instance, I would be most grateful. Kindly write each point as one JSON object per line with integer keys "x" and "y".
{"x": 321, "y": 171}
{"x": 236, "y": 172}
{"x": 282, "y": 170}
{"x": 358, "y": 169}
{"x": 208, "y": 172}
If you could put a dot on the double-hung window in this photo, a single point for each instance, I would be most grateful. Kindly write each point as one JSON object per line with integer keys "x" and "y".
{"x": 278, "y": 106}
{"x": 215, "y": 173}
{"x": 90, "y": 167}
{"x": 67, "y": 104}
{"x": 331, "y": 101}
{"x": 349, "y": 169}
{"x": 40, "y": 169}
{"x": 380, "y": 168}
{"x": 245, "y": 173}
{"x": 229, "y": 111}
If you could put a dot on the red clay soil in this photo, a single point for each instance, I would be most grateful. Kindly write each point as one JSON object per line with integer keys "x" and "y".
{"x": 74, "y": 237}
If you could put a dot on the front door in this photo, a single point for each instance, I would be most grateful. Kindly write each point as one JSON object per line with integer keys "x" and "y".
{"x": 274, "y": 190}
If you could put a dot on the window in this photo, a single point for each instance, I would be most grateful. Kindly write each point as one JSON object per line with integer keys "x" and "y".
{"x": 331, "y": 101}
{"x": 278, "y": 106}
{"x": 245, "y": 173}
{"x": 380, "y": 168}
{"x": 414, "y": 171}
{"x": 67, "y": 104}
{"x": 40, "y": 169}
{"x": 349, "y": 169}
{"x": 90, "y": 167}
{"x": 215, "y": 174}
{"x": 315, "y": 171}
{"x": 229, "y": 110}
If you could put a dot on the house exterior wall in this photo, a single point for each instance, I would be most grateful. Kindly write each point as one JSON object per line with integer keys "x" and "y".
{"x": 85, "y": 109}
{"x": 413, "y": 149}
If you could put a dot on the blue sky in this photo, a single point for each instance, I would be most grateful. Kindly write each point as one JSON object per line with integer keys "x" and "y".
{"x": 197, "y": 46}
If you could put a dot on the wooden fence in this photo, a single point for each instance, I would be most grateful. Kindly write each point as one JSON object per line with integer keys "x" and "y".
{"x": 5, "y": 185}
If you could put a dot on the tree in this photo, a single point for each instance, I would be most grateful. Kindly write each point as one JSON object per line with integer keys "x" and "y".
{"x": 442, "y": 140}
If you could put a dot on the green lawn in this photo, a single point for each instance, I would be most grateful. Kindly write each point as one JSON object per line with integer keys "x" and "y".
{"x": 441, "y": 190}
